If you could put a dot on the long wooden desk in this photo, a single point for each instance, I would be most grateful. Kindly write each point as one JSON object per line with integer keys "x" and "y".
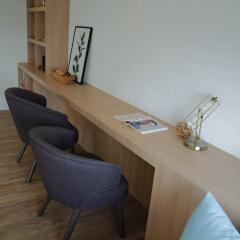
{"x": 164, "y": 176}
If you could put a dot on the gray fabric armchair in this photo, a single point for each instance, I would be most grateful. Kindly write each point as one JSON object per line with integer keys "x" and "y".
{"x": 76, "y": 181}
{"x": 28, "y": 110}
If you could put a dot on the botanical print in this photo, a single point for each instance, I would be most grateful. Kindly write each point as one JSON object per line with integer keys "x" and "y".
{"x": 80, "y": 47}
{"x": 79, "y": 52}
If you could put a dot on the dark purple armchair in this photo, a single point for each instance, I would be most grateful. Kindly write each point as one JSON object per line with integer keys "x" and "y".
{"x": 77, "y": 182}
{"x": 28, "y": 110}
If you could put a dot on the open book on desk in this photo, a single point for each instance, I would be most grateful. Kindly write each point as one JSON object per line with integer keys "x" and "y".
{"x": 141, "y": 123}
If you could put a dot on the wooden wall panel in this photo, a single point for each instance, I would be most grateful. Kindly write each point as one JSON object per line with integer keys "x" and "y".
{"x": 173, "y": 201}
{"x": 57, "y": 25}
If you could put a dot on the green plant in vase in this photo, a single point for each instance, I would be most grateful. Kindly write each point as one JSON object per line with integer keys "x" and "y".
{"x": 79, "y": 54}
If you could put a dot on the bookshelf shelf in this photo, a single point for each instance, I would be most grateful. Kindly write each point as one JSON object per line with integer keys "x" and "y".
{"x": 47, "y": 22}
{"x": 37, "y": 9}
{"x": 37, "y": 42}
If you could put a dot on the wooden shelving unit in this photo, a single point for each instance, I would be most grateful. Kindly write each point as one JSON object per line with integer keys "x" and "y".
{"x": 47, "y": 34}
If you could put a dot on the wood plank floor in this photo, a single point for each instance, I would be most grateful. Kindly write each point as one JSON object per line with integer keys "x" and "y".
{"x": 19, "y": 203}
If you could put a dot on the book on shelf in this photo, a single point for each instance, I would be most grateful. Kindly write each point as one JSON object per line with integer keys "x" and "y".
{"x": 141, "y": 123}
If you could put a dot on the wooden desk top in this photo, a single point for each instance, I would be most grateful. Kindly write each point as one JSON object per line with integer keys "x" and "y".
{"x": 213, "y": 170}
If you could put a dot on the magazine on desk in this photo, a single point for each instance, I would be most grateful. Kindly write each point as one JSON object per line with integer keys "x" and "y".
{"x": 141, "y": 123}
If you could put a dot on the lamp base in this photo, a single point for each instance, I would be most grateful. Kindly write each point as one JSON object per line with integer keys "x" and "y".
{"x": 192, "y": 144}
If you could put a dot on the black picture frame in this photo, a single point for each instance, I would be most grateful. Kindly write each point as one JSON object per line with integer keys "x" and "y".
{"x": 80, "y": 55}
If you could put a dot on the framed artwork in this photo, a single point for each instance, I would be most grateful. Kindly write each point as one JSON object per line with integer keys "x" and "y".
{"x": 79, "y": 52}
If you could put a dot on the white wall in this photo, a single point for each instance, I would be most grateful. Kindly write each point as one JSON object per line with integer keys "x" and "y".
{"x": 12, "y": 43}
{"x": 165, "y": 56}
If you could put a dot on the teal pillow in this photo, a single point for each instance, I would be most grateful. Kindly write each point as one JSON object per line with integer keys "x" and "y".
{"x": 209, "y": 222}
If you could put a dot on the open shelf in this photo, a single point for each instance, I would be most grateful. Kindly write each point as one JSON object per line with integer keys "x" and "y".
{"x": 37, "y": 9}
{"x": 37, "y": 42}
{"x": 31, "y": 53}
{"x": 40, "y": 52}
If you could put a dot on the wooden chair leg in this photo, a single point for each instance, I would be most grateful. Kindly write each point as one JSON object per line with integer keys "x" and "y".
{"x": 30, "y": 175}
{"x": 72, "y": 223}
{"x": 44, "y": 206}
{"x": 21, "y": 152}
{"x": 120, "y": 219}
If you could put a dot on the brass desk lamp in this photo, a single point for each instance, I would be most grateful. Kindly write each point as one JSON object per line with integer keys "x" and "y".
{"x": 192, "y": 124}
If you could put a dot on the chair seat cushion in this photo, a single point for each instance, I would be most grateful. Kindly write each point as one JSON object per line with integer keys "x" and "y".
{"x": 106, "y": 198}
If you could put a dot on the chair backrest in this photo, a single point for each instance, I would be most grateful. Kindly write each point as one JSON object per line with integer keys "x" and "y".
{"x": 29, "y": 110}
{"x": 68, "y": 178}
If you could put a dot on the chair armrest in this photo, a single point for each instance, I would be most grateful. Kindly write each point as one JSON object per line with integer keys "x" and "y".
{"x": 99, "y": 175}
{"x": 60, "y": 138}
{"x": 35, "y": 97}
